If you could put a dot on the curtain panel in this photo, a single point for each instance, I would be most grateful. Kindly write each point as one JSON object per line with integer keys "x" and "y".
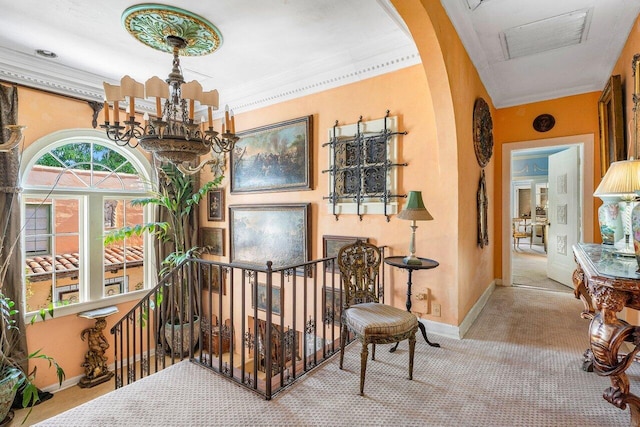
{"x": 11, "y": 264}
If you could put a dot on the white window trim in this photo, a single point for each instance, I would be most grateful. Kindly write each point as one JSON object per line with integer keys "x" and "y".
{"x": 43, "y": 145}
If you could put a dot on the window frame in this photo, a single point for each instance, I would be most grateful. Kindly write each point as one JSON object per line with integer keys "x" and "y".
{"x": 48, "y": 209}
{"x": 92, "y": 271}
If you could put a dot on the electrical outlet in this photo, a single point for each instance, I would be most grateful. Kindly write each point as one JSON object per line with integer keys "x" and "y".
{"x": 435, "y": 309}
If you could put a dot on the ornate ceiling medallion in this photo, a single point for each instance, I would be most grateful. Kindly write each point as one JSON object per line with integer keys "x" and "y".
{"x": 482, "y": 132}
{"x": 152, "y": 23}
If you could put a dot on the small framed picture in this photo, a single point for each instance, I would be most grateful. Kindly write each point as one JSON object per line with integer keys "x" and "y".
{"x": 262, "y": 299}
{"x": 215, "y": 204}
{"x": 213, "y": 239}
{"x": 213, "y": 278}
{"x": 333, "y": 300}
{"x": 331, "y": 245}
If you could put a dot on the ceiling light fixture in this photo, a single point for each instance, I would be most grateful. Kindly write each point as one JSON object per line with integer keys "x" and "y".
{"x": 173, "y": 134}
{"x": 46, "y": 53}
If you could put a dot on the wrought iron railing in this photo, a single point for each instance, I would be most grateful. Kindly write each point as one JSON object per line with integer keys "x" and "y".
{"x": 260, "y": 327}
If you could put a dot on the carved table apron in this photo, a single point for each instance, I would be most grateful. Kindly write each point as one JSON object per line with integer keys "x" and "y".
{"x": 607, "y": 283}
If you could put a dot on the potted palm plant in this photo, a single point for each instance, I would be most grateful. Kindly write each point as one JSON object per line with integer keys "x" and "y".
{"x": 12, "y": 377}
{"x": 176, "y": 197}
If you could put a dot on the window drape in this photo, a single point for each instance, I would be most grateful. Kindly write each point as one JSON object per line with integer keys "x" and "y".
{"x": 11, "y": 263}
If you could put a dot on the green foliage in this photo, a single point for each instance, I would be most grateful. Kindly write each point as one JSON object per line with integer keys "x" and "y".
{"x": 79, "y": 156}
{"x": 43, "y": 312}
{"x": 10, "y": 366}
{"x": 177, "y": 196}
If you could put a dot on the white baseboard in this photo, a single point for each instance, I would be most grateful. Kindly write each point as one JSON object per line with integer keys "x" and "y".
{"x": 457, "y": 332}
{"x": 473, "y": 314}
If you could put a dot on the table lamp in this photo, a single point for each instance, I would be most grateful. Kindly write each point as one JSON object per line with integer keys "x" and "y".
{"x": 618, "y": 188}
{"x": 414, "y": 211}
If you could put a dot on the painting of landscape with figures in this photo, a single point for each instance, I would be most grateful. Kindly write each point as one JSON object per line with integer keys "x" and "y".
{"x": 273, "y": 158}
{"x": 277, "y": 233}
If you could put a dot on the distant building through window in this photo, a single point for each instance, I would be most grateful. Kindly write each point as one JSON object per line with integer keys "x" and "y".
{"x": 75, "y": 191}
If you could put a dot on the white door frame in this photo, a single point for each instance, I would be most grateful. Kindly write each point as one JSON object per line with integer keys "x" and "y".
{"x": 587, "y": 140}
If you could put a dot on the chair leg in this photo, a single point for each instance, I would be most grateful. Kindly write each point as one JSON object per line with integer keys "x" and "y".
{"x": 363, "y": 365}
{"x": 373, "y": 351}
{"x": 412, "y": 348}
{"x": 343, "y": 341}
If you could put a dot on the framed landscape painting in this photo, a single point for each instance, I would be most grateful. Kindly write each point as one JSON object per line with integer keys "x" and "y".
{"x": 262, "y": 299}
{"x": 331, "y": 245}
{"x": 214, "y": 239}
{"x": 610, "y": 113}
{"x": 277, "y": 233}
{"x": 273, "y": 158}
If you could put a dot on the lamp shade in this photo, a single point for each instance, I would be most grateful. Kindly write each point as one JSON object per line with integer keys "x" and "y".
{"x": 622, "y": 178}
{"x": 414, "y": 210}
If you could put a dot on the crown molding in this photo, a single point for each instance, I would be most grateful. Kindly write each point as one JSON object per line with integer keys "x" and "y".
{"x": 32, "y": 71}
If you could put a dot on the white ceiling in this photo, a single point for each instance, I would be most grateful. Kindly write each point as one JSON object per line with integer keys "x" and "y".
{"x": 272, "y": 50}
{"x": 275, "y": 50}
{"x": 561, "y": 71}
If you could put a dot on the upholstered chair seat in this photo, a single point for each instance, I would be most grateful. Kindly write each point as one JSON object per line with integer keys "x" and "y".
{"x": 370, "y": 321}
{"x": 375, "y": 320}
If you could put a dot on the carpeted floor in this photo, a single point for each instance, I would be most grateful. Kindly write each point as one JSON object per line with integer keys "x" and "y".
{"x": 519, "y": 365}
{"x": 529, "y": 268}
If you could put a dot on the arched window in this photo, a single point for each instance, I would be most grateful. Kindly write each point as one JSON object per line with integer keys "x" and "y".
{"x": 78, "y": 185}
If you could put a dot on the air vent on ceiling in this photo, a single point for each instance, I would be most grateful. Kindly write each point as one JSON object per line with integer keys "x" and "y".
{"x": 473, "y": 4}
{"x": 547, "y": 34}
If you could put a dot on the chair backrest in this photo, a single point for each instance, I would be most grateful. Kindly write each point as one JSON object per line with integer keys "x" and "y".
{"x": 359, "y": 264}
{"x": 515, "y": 222}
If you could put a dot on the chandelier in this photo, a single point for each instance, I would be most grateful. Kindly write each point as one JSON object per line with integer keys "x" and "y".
{"x": 172, "y": 135}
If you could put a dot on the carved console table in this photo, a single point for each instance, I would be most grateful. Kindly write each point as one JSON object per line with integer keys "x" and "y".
{"x": 607, "y": 283}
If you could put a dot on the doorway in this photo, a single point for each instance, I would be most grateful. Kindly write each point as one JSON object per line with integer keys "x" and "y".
{"x": 511, "y": 266}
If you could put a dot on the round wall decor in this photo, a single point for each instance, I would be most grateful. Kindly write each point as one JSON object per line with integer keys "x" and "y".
{"x": 544, "y": 122}
{"x": 482, "y": 132}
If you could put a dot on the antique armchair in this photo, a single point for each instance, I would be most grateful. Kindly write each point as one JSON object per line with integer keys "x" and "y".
{"x": 370, "y": 321}
{"x": 520, "y": 230}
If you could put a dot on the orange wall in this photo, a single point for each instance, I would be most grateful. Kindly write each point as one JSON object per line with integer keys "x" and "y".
{"x": 455, "y": 85}
{"x": 432, "y": 169}
{"x": 405, "y": 94}
{"x": 575, "y": 115}
{"x": 623, "y": 67}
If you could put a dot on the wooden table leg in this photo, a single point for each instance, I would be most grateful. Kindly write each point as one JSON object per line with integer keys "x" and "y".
{"x": 581, "y": 293}
{"x": 606, "y": 334}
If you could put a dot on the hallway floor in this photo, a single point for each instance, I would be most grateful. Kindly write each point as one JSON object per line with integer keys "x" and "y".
{"x": 529, "y": 268}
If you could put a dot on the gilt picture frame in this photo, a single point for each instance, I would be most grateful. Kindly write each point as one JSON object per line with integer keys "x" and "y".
{"x": 215, "y": 205}
{"x": 212, "y": 280}
{"x": 332, "y": 305}
{"x": 276, "y": 307}
{"x": 276, "y": 157}
{"x": 331, "y": 245}
{"x": 213, "y": 239}
{"x": 269, "y": 232}
{"x": 610, "y": 113}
